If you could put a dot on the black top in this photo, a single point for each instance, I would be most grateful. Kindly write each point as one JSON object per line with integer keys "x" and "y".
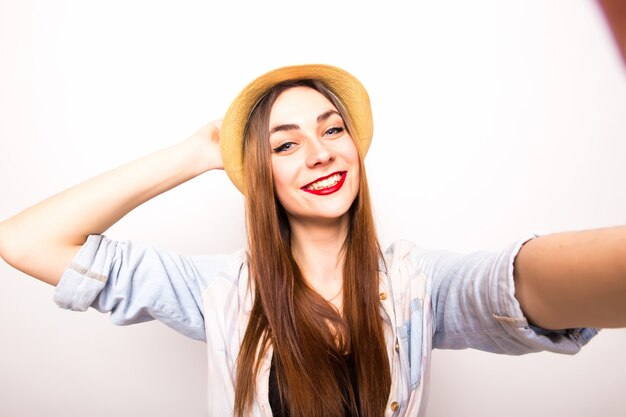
{"x": 274, "y": 395}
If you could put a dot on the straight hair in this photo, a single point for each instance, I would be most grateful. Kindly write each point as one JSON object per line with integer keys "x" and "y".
{"x": 308, "y": 335}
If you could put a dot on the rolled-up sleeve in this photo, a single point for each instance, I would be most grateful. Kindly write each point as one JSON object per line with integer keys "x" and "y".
{"x": 135, "y": 283}
{"x": 474, "y": 305}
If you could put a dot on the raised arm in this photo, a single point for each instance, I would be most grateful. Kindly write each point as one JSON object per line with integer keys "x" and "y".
{"x": 42, "y": 240}
{"x": 574, "y": 279}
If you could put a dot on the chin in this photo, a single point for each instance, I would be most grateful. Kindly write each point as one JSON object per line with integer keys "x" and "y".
{"x": 322, "y": 217}
{"x": 333, "y": 214}
{"x": 325, "y": 209}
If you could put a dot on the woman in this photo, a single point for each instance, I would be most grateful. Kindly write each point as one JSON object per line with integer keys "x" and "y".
{"x": 311, "y": 319}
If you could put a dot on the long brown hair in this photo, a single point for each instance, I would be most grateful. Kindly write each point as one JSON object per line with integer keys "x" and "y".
{"x": 308, "y": 335}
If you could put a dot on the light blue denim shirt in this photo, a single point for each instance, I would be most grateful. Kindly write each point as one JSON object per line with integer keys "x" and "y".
{"x": 429, "y": 299}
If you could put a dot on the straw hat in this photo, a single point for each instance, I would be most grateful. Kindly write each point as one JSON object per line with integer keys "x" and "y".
{"x": 344, "y": 85}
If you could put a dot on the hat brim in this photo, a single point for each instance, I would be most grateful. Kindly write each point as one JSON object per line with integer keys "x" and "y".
{"x": 347, "y": 88}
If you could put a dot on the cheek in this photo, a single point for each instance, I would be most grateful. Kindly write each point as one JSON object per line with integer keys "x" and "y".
{"x": 351, "y": 155}
{"x": 348, "y": 150}
{"x": 283, "y": 179}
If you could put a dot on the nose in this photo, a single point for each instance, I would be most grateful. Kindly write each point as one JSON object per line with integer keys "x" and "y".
{"x": 318, "y": 153}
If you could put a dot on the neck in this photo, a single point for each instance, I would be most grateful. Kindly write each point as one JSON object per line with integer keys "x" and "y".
{"x": 317, "y": 247}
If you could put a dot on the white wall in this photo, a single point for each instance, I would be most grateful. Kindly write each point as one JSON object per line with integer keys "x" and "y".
{"x": 493, "y": 119}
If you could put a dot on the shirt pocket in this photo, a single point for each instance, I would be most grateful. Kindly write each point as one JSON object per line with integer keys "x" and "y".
{"x": 411, "y": 339}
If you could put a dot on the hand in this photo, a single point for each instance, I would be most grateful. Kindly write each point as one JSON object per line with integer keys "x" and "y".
{"x": 209, "y": 136}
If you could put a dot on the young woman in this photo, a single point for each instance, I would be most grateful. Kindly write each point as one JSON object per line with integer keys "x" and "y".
{"x": 311, "y": 318}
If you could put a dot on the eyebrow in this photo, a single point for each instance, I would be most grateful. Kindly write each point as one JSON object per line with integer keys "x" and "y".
{"x": 292, "y": 126}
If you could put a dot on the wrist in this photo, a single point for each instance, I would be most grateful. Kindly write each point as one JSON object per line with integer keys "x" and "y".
{"x": 203, "y": 154}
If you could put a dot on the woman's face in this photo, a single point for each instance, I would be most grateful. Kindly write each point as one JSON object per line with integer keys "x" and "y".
{"x": 314, "y": 160}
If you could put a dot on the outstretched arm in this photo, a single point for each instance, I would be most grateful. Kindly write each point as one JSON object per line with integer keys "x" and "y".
{"x": 577, "y": 279}
{"x": 574, "y": 279}
{"x": 42, "y": 240}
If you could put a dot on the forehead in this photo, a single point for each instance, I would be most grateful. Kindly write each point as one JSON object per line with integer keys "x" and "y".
{"x": 299, "y": 103}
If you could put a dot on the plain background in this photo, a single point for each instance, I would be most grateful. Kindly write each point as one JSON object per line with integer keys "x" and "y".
{"x": 492, "y": 120}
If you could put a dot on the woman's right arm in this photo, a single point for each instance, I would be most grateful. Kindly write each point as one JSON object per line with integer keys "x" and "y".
{"x": 42, "y": 240}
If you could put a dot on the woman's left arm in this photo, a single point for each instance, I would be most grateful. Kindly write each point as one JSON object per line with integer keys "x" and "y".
{"x": 573, "y": 279}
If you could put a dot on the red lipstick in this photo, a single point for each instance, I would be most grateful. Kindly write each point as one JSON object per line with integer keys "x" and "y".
{"x": 326, "y": 190}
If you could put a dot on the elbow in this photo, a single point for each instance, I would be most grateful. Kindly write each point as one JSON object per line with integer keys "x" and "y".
{"x": 25, "y": 256}
{"x": 8, "y": 248}
{"x": 37, "y": 258}
{"x": 3, "y": 242}
{"x": 13, "y": 248}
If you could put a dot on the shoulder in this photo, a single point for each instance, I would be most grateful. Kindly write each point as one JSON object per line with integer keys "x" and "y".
{"x": 223, "y": 264}
{"x": 403, "y": 254}
{"x": 400, "y": 249}
{"x": 221, "y": 271}
{"x": 403, "y": 271}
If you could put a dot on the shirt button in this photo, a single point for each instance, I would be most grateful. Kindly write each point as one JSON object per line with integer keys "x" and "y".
{"x": 395, "y": 406}
{"x": 382, "y": 295}
{"x": 397, "y": 346}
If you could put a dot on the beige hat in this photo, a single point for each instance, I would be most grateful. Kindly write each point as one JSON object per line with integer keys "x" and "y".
{"x": 344, "y": 85}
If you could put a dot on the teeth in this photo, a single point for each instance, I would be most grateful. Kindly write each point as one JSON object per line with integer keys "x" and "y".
{"x": 328, "y": 182}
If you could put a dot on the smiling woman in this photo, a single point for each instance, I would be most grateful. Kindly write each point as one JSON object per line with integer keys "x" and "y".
{"x": 493, "y": 120}
{"x": 320, "y": 157}
{"x": 312, "y": 318}
{"x": 323, "y": 230}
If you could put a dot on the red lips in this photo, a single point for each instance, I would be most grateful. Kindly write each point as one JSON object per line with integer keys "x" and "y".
{"x": 326, "y": 190}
